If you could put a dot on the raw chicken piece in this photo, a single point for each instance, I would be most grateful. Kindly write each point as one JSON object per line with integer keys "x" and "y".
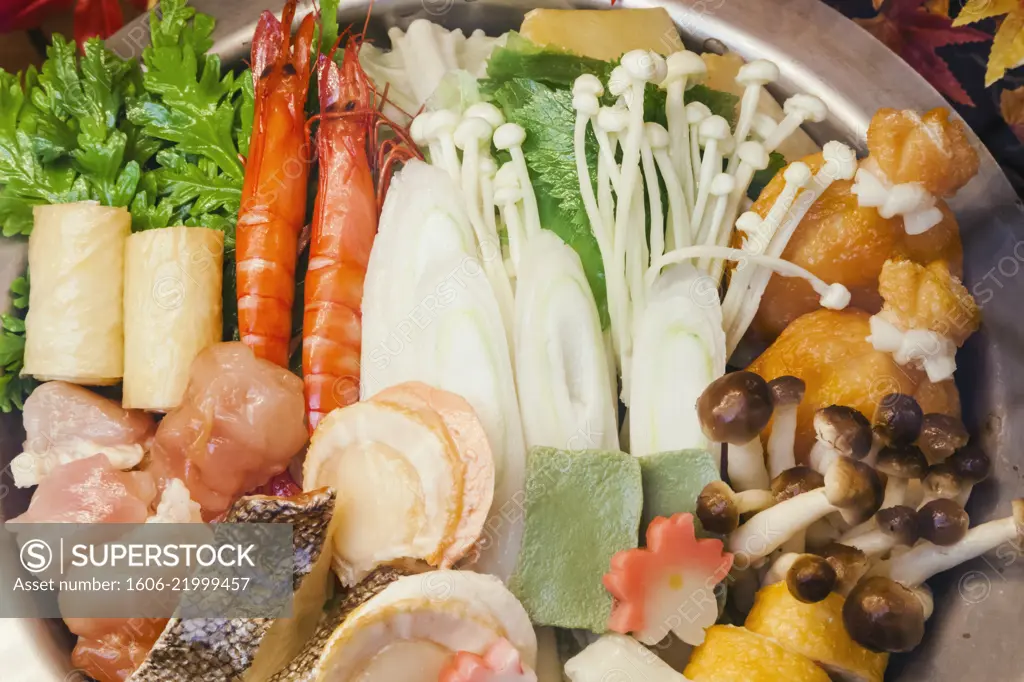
{"x": 111, "y": 649}
{"x": 91, "y": 490}
{"x": 829, "y": 350}
{"x": 241, "y": 422}
{"x": 65, "y": 422}
{"x": 932, "y": 298}
{"x": 843, "y": 242}
{"x": 931, "y": 149}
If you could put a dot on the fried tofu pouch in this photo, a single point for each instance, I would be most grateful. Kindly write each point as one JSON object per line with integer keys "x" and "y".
{"x": 829, "y": 350}
{"x": 840, "y": 241}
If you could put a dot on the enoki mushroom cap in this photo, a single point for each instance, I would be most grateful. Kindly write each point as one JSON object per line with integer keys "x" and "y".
{"x": 845, "y": 429}
{"x": 735, "y": 408}
{"x": 684, "y": 64}
{"x": 717, "y": 508}
{"x": 757, "y": 72}
{"x": 807, "y": 107}
{"x": 796, "y": 481}
{"x": 904, "y": 461}
{"x": 941, "y": 435}
{"x": 854, "y": 488}
{"x": 696, "y": 112}
{"x": 898, "y": 419}
{"x": 882, "y": 615}
{"x": 787, "y": 391}
{"x": 811, "y": 578}
{"x": 488, "y": 112}
{"x": 901, "y": 523}
{"x": 942, "y": 522}
{"x": 753, "y": 154}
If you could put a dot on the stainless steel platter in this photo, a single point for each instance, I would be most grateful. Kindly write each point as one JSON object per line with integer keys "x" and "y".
{"x": 979, "y": 607}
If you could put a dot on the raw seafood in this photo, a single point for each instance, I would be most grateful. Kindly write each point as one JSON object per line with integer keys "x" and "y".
{"x": 91, "y": 490}
{"x": 274, "y": 194}
{"x": 829, "y": 350}
{"x": 65, "y": 422}
{"x": 240, "y": 423}
{"x": 172, "y": 311}
{"x": 111, "y": 649}
{"x": 74, "y": 328}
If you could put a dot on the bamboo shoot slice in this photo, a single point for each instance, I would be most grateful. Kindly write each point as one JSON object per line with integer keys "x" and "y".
{"x": 172, "y": 311}
{"x": 75, "y": 323}
{"x": 398, "y": 486}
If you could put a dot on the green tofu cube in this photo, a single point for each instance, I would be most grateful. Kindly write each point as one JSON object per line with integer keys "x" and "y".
{"x": 673, "y": 481}
{"x": 581, "y": 508}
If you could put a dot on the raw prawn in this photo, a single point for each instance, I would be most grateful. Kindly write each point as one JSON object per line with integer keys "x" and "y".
{"x": 111, "y": 649}
{"x": 344, "y": 227}
{"x": 274, "y": 193}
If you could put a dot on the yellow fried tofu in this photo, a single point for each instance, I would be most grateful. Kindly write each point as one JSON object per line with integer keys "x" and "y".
{"x": 928, "y": 297}
{"x": 815, "y": 631}
{"x": 732, "y": 654}
{"x": 829, "y": 350}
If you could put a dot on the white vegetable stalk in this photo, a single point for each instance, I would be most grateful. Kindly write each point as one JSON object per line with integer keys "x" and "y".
{"x": 833, "y": 296}
{"x": 653, "y": 196}
{"x": 610, "y": 121}
{"x": 681, "y": 67}
{"x": 752, "y": 158}
{"x": 680, "y": 349}
{"x": 566, "y": 396}
{"x": 721, "y": 188}
{"x": 753, "y": 77}
{"x": 747, "y": 287}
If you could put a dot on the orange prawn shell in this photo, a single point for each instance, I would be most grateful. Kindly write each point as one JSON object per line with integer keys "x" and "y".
{"x": 274, "y": 191}
{"x": 343, "y": 231}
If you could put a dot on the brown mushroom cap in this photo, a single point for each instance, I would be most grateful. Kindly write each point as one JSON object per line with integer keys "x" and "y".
{"x": 787, "y": 391}
{"x": 735, "y": 408}
{"x": 717, "y": 508}
{"x": 845, "y": 429}
{"x": 855, "y": 488}
{"x": 900, "y": 523}
{"x": 811, "y": 578}
{"x": 902, "y": 461}
{"x": 849, "y": 563}
{"x": 795, "y": 481}
{"x": 971, "y": 464}
{"x": 898, "y": 419}
{"x": 943, "y": 481}
{"x": 941, "y": 435}
{"x": 943, "y": 522}
{"x": 882, "y": 615}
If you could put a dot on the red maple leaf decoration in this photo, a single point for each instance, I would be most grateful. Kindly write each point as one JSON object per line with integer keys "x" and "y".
{"x": 914, "y": 33}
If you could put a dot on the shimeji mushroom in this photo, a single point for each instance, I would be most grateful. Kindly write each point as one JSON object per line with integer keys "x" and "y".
{"x": 656, "y": 220}
{"x": 898, "y": 419}
{"x": 841, "y": 432}
{"x": 508, "y": 195}
{"x": 714, "y": 131}
{"x": 790, "y": 483}
{"x": 887, "y": 613}
{"x": 510, "y": 137}
{"x": 678, "y": 208}
{"x": 900, "y": 464}
{"x": 941, "y": 435}
{"x": 752, "y": 158}
{"x": 441, "y": 126}
{"x": 719, "y": 507}
{"x": 851, "y": 488}
{"x": 849, "y": 563}
{"x": 973, "y": 466}
{"x": 811, "y": 578}
{"x": 721, "y": 189}
{"x": 763, "y": 126}
{"x": 696, "y": 114}
{"x": 942, "y": 522}
{"x": 787, "y": 394}
{"x": 734, "y": 409}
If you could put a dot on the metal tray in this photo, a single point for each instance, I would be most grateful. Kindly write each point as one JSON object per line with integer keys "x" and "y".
{"x": 979, "y": 606}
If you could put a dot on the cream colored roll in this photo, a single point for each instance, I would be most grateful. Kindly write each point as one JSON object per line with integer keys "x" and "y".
{"x": 172, "y": 303}
{"x": 74, "y": 328}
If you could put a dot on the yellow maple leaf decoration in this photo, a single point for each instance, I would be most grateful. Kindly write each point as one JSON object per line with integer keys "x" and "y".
{"x": 1008, "y": 46}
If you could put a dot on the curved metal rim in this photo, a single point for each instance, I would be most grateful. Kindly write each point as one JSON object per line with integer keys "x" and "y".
{"x": 830, "y": 56}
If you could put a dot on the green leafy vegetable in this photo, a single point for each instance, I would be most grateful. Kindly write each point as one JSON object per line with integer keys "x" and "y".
{"x": 13, "y": 387}
{"x": 776, "y": 162}
{"x": 549, "y": 120}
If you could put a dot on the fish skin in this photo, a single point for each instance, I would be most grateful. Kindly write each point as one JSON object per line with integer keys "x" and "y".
{"x": 222, "y": 649}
